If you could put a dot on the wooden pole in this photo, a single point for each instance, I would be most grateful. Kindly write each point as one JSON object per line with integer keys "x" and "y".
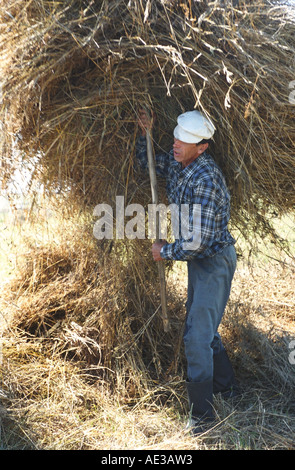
{"x": 155, "y": 199}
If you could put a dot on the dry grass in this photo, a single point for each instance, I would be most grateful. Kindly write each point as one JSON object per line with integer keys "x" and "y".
{"x": 85, "y": 361}
{"x": 70, "y": 381}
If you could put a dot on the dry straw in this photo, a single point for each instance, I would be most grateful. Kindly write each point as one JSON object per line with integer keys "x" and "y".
{"x": 73, "y": 76}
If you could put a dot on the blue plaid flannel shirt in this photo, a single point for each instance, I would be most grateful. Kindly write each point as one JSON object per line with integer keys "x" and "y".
{"x": 202, "y": 183}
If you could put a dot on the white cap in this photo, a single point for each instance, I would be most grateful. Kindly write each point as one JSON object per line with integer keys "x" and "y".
{"x": 193, "y": 127}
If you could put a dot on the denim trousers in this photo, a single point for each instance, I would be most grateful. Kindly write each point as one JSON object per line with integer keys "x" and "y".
{"x": 209, "y": 285}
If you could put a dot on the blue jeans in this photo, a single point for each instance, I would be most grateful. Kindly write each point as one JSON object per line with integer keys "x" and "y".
{"x": 209, "y": 284}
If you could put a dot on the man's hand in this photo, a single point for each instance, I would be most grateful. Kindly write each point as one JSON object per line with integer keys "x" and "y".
{"x": 145, "y": 122}
{"x": 156, "y": 248}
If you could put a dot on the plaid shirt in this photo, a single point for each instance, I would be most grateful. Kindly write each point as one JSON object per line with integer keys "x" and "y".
{"x": 200, "y": 183}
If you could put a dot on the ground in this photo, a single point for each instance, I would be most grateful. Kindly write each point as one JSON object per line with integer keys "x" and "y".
{"x": 49, "y": 401}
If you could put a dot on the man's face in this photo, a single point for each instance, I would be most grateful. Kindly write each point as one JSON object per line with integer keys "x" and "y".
{"x": 186, "y": 153}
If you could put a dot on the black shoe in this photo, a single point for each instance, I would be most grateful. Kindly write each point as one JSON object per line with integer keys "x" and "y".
{"x": 197, "y": 427}
{"x": 200, "y": 396}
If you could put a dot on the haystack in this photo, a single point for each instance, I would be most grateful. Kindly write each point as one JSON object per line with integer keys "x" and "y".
{"x": 74, "y": 74}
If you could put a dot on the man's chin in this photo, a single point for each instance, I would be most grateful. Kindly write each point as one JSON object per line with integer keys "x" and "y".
{"x": 177, "y": 157}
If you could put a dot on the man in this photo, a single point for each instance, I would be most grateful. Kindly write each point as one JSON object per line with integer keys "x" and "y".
{"x": 193, "y": 178}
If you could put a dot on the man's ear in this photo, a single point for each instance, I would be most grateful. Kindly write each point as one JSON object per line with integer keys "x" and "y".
{"x": 202, "y": 148}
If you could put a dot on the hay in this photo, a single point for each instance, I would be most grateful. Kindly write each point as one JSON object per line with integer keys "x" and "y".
{"x": 73, "y": 75}
{"x": 56, "y": 392}
{"x": 90, "y": 306}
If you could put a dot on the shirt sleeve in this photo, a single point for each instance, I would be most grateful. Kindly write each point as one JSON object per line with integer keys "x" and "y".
{"x": 197, "y": 228}
{"x": 162, "y": 160}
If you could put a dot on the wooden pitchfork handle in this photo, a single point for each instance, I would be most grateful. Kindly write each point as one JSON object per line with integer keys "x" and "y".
{"x": 154, "y": 190}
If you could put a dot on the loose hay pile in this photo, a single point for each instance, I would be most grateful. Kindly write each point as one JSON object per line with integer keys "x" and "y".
{"x": 83, "y": 304}
{"x": 62, "y": 379}
{"x": 73, "y": 75}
